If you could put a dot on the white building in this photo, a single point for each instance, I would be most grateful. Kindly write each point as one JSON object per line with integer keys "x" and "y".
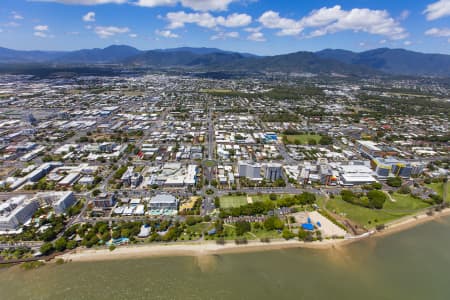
{"x": 249, "y": 170}
{"x": 60, "y": 201}
{"x": 163, "y": 201}
{"x": 16, "y": 212}
{"x": 355, "y": 174}
{"x": 273, "y": 171}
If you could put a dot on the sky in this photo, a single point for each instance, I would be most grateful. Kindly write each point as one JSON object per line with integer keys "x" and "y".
{"x": 256, "y": 26}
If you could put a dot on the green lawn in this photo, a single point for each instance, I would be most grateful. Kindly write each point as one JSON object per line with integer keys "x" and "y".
{"x": 405, "y": 205}
{"x": 266, "y": 197}
{"x": 232, "y": 201}
{"x": 302, "y": 138}
{"x": 438, "y": 187}
{"x": 255, "y": 234}
{"x": 201, "y": 227}
{"x": 262, "y": 233}
{"x": 209, "y": 163}
{"x": 237, "y": 201}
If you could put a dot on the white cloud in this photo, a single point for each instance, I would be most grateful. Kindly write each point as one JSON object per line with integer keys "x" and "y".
{"x": 234, "y": 20}
{"x": 153, "y": 3}
{"x": 256, "y": 37}
{"x": 40, "y": 34}
{"x": 407, "y": 43}
{"x": 42, "y": 31}
{"x": 109, "y": 31}
{"x": 255, "y": 34}
{"x": 438, "y": 32}
{"x": 167, "y": 34}
{"x": 404, "y": 15}
{"x": 253, "y": 29}
{"x": 334, "y": 19}
{"x": 437, "y": 10}
{"x": 179, "y": 19}
{"x": 83, "y": 2}
{"x": 41, "y": 27}
{"x": 271, "y": 19}
{"x": 225, "y": 35}
{"x": 199, "y": 5}
{"x": 11, "y": 24}
{"x": 89, "y": 17}
{"x": 382, "y": 42}
{"x": 324, "y": 16}
{"x": 371, "y": 21}
{"x": 204, "y": 5}
{"x": 16, "y": 16}
{"x": 133, "y": 35}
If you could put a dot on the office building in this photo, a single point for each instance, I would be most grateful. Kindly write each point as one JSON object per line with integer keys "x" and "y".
{"x": 273, "y": 171}
{"x": 249, "y": 170}
{"x": 163, "y": 201}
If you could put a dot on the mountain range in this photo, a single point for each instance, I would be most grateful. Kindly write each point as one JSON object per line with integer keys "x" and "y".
{"x": 378, "y": 61}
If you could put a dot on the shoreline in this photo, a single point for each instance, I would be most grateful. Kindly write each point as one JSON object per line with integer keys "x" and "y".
{"x": 194, "y": 249}
{"x": 406, "y": 223}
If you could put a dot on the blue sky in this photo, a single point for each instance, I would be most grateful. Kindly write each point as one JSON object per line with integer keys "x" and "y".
{"x": 256, "y": 26}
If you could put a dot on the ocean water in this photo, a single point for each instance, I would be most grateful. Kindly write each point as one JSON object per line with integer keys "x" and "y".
{"x": 414, "y": 264}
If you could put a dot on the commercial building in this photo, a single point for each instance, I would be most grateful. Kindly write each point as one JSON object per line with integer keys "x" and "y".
{"x": 371, "y": 149}
{"x": 368, "y": 148}
{"x": 355, "y": 175}
{"x": 177, "y": 175}
{"x": 37, "y": 174}
{"x": 70, "y": 179}
{"x": 136, "y": 179}
{"x": 105, "y": 200}
{"x": 273, "y": 171}
{"x": 60, "y": 201}
{"x": 327, "y": 175}
{"x": 270, "y": 137}
{"x": 250, "y": 170}
{"x": 131, "y": 178}
{"x": 126, "y": 177}
{"x": 390, "y": 166}
{"x": 15, "y": 212}
{"x": 163, "y": 201}
{"x": 33, "y": 154}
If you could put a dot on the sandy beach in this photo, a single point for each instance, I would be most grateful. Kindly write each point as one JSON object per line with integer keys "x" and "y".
{"x": 211, "y": 248}
{"x": 411, "y": 221}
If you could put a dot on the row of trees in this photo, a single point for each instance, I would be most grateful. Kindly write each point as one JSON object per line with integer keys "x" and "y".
{"x": 374, "y": 199}
{"x": 263, "y": 207}
{"x": 59, "y": 245}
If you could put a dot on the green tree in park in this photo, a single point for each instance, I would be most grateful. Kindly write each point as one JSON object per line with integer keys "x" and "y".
{"x": 47, "y": 248}
{"x": 60, "y": 244}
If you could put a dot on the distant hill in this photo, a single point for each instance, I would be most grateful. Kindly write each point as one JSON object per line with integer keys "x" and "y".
{"x": 300, "y": 62}
{"x": 163, "y": 59}
{"x": 16, "y": 56}
{"x": 394, "y": 61}
{"x": 111, "y": 54}
{"x": 328, "y": 61}
{"x": 203, "y": 50}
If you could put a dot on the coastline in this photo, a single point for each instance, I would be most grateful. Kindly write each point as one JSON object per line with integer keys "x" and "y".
{"x": 211, "y": 248}
{"x": 410, "y": 222}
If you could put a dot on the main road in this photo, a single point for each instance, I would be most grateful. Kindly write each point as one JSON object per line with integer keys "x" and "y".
{"x": 211, "y": 144}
